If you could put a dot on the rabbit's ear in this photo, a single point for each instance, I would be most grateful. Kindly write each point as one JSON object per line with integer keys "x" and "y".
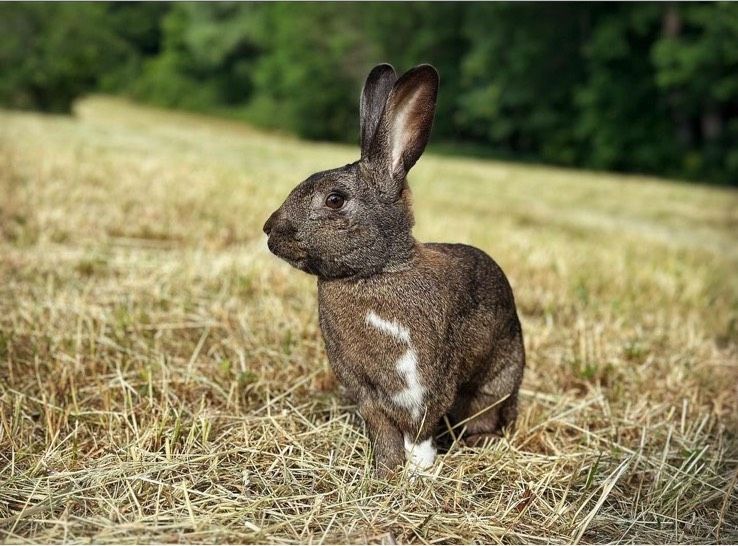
{"x": 406, "y": 122}
{"x": 378, "y": 85}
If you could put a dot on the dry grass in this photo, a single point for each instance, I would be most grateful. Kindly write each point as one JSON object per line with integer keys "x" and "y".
{"x": 162, "y": 377}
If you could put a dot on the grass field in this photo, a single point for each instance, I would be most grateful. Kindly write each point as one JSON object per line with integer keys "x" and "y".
{"x": 162, "y": 376}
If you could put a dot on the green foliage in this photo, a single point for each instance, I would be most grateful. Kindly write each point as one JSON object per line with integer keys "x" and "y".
{"x": 639, "y": 87}
{"x": 207, "y": 57}
{"x": 51, "y": 53}
{"x": 316, "y": 57}
{"x": 623, "y": 122}
{"x": 307, "y": 80}
{"x": 520, "y": 76}
{"x": 697, "y": 67}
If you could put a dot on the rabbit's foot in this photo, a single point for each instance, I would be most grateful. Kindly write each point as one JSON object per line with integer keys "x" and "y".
{"x": 480, "y": 440}
{"x": 420, "y": 456}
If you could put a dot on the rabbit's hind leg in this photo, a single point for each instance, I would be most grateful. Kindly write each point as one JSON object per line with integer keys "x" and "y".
{"x": 494, "y": 405}
{"x": 487, "y": 418}
{"x": 474, "y": 418}
{"x": 481, "y": 421}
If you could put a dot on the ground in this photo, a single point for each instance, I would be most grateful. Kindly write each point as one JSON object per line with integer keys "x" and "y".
{"x": 162, "y": 376}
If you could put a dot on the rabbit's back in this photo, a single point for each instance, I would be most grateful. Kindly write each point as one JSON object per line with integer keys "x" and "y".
{"x": 483, "y": 323}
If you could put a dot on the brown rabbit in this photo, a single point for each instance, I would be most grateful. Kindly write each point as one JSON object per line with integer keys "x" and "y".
{"x": 414, "y": 331}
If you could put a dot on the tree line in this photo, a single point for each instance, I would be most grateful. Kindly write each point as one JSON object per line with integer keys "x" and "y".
{"x": 632, "y": 87}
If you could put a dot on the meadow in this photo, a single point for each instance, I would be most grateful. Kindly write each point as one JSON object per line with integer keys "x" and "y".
{"x": 163, "y": 378}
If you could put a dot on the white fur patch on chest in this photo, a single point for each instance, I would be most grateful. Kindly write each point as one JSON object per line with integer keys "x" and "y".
{"x": 411, "y": 397}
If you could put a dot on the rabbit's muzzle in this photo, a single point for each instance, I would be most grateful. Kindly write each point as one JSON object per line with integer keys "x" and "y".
{"x": 282, "y": 239}
{"x": 271, "y": 221}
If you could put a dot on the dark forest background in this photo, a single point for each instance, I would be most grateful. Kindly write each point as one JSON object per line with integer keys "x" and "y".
{"x": 636, "y": 87}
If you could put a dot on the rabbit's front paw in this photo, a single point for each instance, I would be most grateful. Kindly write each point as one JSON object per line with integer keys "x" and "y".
{"x": 420, "y": 456}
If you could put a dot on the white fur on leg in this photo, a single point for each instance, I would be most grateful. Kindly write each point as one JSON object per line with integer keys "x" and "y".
{"x": 420, "y": 456}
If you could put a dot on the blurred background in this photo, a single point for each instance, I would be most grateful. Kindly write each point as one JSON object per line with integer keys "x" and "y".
{"x": 633, "y": 87}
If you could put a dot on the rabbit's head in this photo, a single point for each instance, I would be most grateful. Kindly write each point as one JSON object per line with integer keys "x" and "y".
{"x": 356, "y": 220}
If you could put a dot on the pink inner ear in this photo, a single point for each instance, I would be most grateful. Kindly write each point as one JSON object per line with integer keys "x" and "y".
{"x": 405, "y": 121}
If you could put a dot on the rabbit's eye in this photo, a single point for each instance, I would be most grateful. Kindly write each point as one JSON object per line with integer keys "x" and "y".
{"x": 334, "y": 201}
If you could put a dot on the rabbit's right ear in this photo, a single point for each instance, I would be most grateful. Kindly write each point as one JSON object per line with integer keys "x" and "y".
{"x": 404, "y": 127}
{"x": 377, "y": 88}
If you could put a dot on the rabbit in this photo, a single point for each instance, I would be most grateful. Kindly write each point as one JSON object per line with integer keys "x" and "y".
{"x": 414, "y": 332}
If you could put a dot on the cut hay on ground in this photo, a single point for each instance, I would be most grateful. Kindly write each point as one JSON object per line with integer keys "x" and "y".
{"x": 162, "y": 377}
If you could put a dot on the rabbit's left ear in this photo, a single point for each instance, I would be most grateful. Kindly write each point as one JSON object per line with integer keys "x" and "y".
{"x": 378, "y": 85}
{"x": 405, "y": 125}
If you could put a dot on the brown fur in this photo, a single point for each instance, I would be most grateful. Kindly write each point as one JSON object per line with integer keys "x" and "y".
{"x": 453, "y": 300}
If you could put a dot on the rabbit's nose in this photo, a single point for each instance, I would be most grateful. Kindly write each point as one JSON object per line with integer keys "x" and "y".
{"x": 270, "y": 223}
